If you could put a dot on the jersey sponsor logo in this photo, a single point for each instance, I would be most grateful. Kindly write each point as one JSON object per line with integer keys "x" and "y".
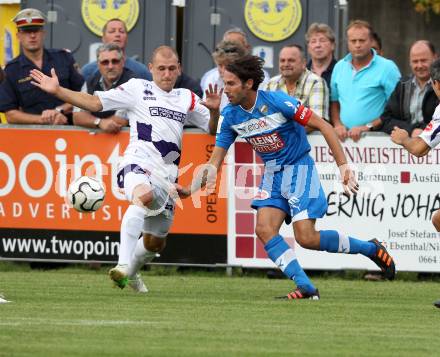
{"x": 167, "y": 113}
{"x": 290, "y": 104}
{"x": 294, "y": 106}
{"x": 149, "y": 95}
{"x": 257, "y": 126}
{"x": 267, "y": 143}
{"x": 263, "y": 109}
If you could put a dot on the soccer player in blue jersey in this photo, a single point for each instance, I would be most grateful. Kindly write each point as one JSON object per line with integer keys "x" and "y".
{"x": 273, "y": 123}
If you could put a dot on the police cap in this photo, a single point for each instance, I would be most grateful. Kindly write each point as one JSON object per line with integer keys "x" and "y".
{"x": 29, "y": 19}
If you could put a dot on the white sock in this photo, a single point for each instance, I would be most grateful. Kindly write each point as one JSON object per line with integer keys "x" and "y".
{"x": 131, "y": 229}
{"x": 139, "y": 258}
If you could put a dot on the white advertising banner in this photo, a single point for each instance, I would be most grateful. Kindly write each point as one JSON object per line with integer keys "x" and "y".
{"x": 398, "y": 195}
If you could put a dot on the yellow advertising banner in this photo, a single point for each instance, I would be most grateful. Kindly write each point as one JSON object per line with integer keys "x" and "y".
{"x": 9, "y": 47}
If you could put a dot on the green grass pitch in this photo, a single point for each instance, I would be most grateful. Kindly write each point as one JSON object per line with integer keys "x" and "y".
{"x": 76, "y": 312}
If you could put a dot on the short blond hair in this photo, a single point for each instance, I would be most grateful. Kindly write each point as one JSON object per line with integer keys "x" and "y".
{"x": 360, "y": 24}
{"x": 166, "y": 51}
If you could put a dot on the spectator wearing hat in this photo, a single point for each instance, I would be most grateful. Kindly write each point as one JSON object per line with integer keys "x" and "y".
{"x": 115, "y": 31}
{"x": 22, "y": 102}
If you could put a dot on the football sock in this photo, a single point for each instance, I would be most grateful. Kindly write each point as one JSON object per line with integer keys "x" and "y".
{"x": 131, "y": 229}
{"x": 285, "y": 259}
{"x": 139, "y": 258}
{"x": 335, "y": 242}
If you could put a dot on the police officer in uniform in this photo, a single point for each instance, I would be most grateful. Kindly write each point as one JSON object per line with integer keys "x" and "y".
{"x": 22, "y": 102}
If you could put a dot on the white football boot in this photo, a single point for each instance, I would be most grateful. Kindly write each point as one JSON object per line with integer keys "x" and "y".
{"x": 121, "y": 279}
{"x": 119, "y": 276}
{"x": 137, "y": 284}
{"x": 3, "y": 300}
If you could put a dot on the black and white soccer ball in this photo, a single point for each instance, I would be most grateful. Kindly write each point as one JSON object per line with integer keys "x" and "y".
{"x": 86, "y": 194}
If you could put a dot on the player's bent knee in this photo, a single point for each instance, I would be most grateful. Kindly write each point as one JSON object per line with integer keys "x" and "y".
{"x": 154, "y": 244}
{"x": 307, "y": 238}
{"x": 142, "y": 195}
{"x": 264, "y": 232}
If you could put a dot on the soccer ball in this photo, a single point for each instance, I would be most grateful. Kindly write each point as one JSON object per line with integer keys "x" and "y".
{"x": 86, "y": 194}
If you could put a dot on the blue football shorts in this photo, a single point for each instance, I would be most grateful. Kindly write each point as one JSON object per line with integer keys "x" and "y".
{"x": 294, "y": 189}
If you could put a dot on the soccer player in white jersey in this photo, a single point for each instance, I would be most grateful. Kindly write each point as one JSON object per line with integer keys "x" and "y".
{"x": 148, "y": 171}
{"x": 427, "y": 140}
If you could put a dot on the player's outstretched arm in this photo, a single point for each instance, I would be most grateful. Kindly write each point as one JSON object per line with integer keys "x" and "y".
{"x": 213, "y": 98}
{"x": 348, "y": 178}
{"x": 206, "y": 175}
{"x": 415, "y": 146}
{"x": 51, "y": 85}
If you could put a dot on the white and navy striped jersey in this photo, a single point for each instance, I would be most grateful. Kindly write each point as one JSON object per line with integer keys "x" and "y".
{"x": 431, "y": 134}
{"x": 156, "y": 120}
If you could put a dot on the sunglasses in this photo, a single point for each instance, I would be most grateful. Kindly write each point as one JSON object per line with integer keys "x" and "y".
{"x": 227, "y": 49}
{"x": 106, "y": 62}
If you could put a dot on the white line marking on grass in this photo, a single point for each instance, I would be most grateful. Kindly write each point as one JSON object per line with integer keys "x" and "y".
{"x": 39, "y": 321}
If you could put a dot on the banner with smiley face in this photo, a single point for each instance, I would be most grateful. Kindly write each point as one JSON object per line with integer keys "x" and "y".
{"x": 273, "y": 20}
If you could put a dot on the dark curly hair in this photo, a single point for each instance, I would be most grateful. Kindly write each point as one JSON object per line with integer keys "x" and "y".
{"x": 248, "y": 67}
{"x": 435, "y": 70}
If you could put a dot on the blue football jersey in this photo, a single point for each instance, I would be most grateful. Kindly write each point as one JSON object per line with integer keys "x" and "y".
{"x": 274, "y": 127}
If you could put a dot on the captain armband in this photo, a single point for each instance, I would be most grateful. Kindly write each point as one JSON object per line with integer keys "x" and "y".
{"x": 302, "y": 115}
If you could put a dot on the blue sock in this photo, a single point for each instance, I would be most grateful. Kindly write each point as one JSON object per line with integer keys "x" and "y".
{"x": 285, "y": 259}
{"x": 334, "y": 242}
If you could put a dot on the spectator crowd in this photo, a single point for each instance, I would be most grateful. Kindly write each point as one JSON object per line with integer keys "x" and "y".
{"x": 362, "y": 92}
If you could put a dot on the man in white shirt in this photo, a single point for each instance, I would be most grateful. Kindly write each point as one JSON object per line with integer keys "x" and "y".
{"x": 148, "y": 171}
{"x": 427, "y": 140}
{"x": 225, "y": 54}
